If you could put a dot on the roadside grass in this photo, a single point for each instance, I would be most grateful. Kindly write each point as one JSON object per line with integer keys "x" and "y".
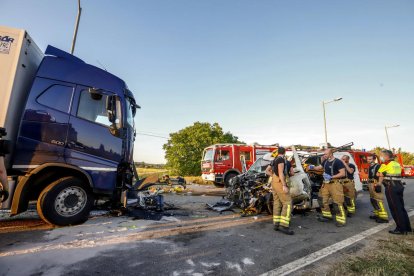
{"x": 390, "y": 256}
{"x": 144, "y": 172}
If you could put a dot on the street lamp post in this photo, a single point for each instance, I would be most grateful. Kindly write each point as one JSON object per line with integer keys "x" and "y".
{"x": 75, "y": 33}
{"x": 386, "y": 134}
{"x": 324, "y": 116}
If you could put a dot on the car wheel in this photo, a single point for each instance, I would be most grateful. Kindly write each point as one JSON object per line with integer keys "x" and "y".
{"x": 66, "y": 201}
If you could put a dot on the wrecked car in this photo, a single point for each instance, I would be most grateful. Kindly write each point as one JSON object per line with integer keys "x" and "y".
{"x": 252, "y": 192}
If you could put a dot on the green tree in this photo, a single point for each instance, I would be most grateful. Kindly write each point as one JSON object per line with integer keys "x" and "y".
{"x": 184, "y": 148}
{"x": 407, "y": 157}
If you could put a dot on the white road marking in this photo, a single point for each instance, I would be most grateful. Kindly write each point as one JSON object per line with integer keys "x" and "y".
{"x": 320, "y": 254}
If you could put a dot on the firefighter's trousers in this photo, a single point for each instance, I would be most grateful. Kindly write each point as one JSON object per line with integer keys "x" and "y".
{"x": 350, "y": 196}
{"x": 335, "y": 191}
{"x": 377, "y": 201}
{"x": 394, "y": 190}
{"x": 282, "y": 203}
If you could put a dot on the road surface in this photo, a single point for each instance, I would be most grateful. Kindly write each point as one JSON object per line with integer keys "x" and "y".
{"x": 192, "y": 242}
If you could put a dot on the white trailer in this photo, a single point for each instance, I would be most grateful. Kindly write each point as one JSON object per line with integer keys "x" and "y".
{"x": 19, "y": 59}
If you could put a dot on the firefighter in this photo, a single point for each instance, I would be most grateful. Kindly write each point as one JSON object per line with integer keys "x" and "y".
{"x": 375, "y": 192}
{"x": 334, "y": 175}
{"x": 282, "y": 201}
{"x": 390, "y": 175}
{"x": 349, "y": 186}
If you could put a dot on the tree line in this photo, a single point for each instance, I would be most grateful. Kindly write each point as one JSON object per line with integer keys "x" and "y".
{"x": 184, "y": 148}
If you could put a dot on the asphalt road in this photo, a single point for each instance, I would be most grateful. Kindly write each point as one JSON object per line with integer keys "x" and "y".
{"x": 192, "y": 242}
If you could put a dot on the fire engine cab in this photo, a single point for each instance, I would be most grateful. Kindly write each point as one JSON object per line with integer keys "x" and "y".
{"x": 221, "y": 162}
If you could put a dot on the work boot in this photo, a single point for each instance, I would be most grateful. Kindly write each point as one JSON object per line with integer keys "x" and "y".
{"x": 286, "y": 230}
{"x": 373, "y": 217}
{"x": 323, "y": 219}
{"x": 339, "y": 224}
{"x": 349, "y": 215}
{"x": 276, "y": 227}
{"x": 396, "y": 232}
{"x": 378, "y": 220}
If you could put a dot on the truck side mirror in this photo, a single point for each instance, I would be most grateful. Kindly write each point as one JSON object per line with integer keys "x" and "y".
{"x": 95, "y": 93}
{"x": 111, "y": 109}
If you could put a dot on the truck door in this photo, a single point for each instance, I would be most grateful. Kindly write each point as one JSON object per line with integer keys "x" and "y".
{"x": 223, "y": 159}
{"x": 246, "y": 152}
{"x": 94, "y": 140}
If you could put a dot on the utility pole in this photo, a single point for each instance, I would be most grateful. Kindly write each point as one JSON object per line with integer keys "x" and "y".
{"x": 324, "y": 117}
{"x": 75, "y": 33}
{"x": 386, "y": 134}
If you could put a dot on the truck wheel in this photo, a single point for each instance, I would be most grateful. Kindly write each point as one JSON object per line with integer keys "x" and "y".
{"x": 228, "y": 177}
{"x": 65, "y": 202}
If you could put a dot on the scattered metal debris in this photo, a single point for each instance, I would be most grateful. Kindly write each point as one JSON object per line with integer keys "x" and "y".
{"x": 221, "y": 206}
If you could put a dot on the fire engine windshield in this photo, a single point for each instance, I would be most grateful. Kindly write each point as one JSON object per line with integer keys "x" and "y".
{"x": 208, "y": 155}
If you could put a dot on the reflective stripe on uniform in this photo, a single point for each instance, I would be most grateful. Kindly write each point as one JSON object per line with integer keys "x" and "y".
{"x": 341, "y": 218}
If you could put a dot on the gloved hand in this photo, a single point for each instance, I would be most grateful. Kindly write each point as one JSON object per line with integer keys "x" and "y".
{"x": 377, "y": 188}
{"x": 327, "y": 177}
{"x": 311, "y": 167}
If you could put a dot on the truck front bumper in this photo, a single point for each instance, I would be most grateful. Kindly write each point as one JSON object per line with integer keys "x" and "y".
{"x": 209, "y": 177}
{"x": 216, "y": 178}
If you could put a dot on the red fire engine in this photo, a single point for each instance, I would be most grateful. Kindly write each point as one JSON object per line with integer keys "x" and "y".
{"x": 221, "y": 162}
{"x": 360, "y": 158}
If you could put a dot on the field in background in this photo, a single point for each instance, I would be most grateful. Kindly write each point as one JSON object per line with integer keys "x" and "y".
{"x": 159, "y": 171}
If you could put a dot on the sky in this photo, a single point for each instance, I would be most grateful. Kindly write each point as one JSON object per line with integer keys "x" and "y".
{"x": 260, "y": 69}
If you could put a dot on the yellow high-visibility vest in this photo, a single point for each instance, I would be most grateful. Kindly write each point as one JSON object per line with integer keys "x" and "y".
{"x": 393, "y": 168}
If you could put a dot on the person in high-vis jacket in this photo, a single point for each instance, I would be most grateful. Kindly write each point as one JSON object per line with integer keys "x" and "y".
{"x": 334, "y": 176}
{"x": 390, "y": 175}
{"x": 376, "y": 195}
{"x": 282, "y": 201}
{"x": 349, "y": 186}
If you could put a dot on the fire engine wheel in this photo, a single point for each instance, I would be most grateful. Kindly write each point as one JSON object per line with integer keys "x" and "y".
{"x": 65, "y": 202}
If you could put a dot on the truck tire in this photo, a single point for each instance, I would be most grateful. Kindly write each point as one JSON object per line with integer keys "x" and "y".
{"x": 228, "y": 177}
{"x": 65, "y": 202}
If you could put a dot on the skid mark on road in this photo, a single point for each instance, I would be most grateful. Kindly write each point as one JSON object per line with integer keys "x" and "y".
{"x": 133, "y": 237}
{"x": 320, "y": 254}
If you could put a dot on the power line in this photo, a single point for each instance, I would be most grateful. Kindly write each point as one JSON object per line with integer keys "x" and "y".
{"x": 152, "y": 135}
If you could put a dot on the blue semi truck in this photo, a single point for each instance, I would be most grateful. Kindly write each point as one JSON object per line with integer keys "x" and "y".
{"x": 71, "y": 130}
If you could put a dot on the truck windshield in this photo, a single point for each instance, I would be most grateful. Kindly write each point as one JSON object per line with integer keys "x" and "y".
{"x": 208, "y": 155}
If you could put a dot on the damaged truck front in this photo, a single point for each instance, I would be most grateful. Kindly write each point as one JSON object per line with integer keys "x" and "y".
{"x": 71, "y": 126}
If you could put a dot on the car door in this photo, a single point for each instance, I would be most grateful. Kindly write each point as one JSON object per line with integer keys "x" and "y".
{"x": 300, "y": 181}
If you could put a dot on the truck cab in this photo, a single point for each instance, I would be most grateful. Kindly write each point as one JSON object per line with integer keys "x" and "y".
{"x": 74, "y": 140}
